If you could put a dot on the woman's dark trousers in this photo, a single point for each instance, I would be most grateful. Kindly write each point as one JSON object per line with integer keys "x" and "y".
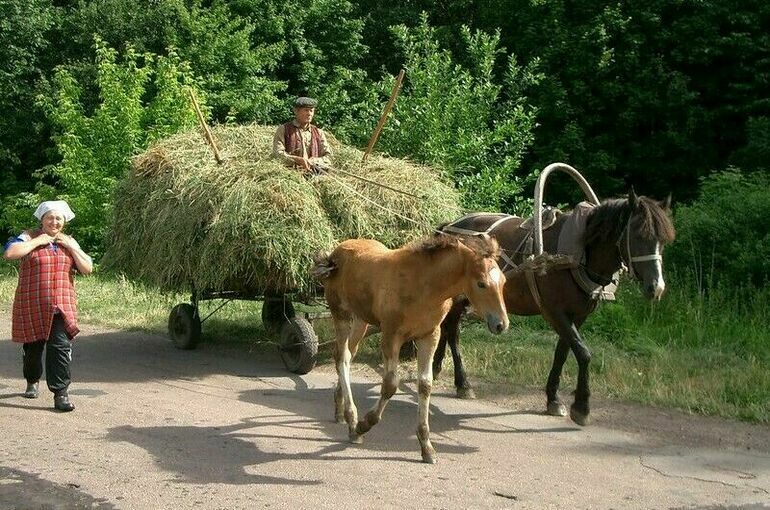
{"x": 57, "y": 358}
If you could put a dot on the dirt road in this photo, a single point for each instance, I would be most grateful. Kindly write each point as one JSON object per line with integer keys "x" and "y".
{"x": 160, "y": 428}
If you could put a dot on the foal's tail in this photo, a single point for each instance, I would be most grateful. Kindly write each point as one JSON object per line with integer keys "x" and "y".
{"x": 323, "y": 266}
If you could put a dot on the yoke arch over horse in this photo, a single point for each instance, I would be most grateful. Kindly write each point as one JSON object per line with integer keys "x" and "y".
{"x": 630, "y": 231}
{"x": 406, "y": 292}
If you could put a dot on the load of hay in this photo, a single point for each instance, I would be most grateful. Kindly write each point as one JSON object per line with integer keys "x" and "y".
{"x": 252, "y": 224}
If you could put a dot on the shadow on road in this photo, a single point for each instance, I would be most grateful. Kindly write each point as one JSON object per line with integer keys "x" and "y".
{"x": 121, "y": 356}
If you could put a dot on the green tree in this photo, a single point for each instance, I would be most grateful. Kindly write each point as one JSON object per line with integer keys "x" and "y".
{"x": 24, "y": 25}
{"x": 96, "y": 148}
{"x": 458, "y": 118}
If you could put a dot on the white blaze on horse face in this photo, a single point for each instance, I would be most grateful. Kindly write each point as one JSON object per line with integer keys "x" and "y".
{"x": 495, "y": 275}
{"x": 659, "y": 285}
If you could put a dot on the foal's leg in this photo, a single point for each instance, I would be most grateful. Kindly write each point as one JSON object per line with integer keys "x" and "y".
{"x": 390, "y": 350}
{"x": 425, "y": 348}
{"x": 343, "y": 393}
{"x": 354, "y": 334}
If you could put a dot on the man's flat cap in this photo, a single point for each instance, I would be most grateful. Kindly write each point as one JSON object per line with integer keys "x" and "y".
{"x": 305, "y": 102}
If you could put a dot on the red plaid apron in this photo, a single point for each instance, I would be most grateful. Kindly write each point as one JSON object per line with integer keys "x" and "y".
{"x": 45, "y": 285}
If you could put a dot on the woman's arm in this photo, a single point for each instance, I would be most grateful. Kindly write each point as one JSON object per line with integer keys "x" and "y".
{"x": 20, "y": 249}
{"x": 82, "y": 261}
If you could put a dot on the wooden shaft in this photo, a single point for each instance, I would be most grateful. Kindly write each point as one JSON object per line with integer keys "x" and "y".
{"x": 206, "y": 131}
{"x": 384, "y": 116}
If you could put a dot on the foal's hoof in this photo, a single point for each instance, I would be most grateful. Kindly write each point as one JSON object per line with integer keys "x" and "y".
{"x": 556, "y": 409}
{"x": 355, "y": 438}
{"x": 579, "y": 417}
{"x": 429, "y": 457}
{"x": 466, "y": 393}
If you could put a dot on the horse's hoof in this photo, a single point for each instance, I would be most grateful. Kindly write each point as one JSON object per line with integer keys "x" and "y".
{"x": 466, "y": 393}
{"x": 355, "y": 438}
{"x": 579, "y": 417}
{"x": 429, "y": 457}
{"x": 556, "y": 409}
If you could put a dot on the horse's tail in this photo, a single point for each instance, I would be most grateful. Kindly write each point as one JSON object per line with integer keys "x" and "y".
{"x": 323, "y": 266}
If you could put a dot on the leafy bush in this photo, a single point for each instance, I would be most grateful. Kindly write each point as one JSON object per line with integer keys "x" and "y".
{"x": 725, "y": 234}
{"x": 460, "y": 119}
{"x": 96, "y": 149}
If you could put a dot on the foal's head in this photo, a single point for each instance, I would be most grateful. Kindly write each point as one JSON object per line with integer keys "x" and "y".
{"x": 640, "y": 227}
{"x": 483, "y": 279}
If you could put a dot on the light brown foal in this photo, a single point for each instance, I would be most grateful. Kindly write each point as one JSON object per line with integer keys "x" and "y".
{"x": 405, "y": 292}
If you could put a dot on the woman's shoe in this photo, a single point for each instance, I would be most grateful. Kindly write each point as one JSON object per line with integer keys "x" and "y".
{"x": 62, "y": 402}
{"x": 31, "y": 391}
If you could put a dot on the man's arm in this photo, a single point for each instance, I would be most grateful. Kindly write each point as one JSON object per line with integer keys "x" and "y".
{"x": 325, "y": 150}
{"x": 279, "y": 150}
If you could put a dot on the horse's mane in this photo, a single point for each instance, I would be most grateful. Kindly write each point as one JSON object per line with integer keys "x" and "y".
{"x": 607, "y": 221}
{"x": 483, "y": 246}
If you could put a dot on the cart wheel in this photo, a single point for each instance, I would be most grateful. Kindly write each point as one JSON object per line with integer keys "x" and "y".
{"x": 184, "y": 326}
{"x": 275, "y": 312}
{"x": 299, "y": 345}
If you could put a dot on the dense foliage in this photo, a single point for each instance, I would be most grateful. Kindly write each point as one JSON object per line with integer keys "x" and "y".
{"x": 658, "y": 94}
{"x": 724, "y": 236}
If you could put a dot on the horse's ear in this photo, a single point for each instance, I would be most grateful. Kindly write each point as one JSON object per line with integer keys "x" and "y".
{"x": 632, "y": 198}
{"x": 666, "y": 203}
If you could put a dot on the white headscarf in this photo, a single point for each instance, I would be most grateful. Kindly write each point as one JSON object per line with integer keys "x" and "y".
{"x": 54, "y": 205}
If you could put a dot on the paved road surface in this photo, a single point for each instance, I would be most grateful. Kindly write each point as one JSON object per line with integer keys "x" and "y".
{"x": 159, "y": 428}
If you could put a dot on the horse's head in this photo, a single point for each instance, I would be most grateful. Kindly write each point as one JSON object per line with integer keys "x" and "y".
{"x": 485, "y": 282}
{"x": 648, "y": 229}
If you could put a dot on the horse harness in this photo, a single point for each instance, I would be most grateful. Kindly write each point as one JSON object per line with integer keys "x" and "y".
{"x": 596, "y": 286}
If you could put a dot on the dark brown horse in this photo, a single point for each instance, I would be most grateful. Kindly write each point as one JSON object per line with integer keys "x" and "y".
{"x": 630, "y": 232}
{"x": 406, "y": 293}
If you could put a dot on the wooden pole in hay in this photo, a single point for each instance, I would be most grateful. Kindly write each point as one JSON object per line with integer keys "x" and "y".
{"x": 384, "y": 116}
{"x": 206, "y": 131}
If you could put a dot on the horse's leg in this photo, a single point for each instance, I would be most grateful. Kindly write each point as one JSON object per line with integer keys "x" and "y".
{"x": 463, "y": 386}
{"x": 569, "y": 338}
{"x": 554, "y": 406}
{"x": 450, "y": 333}
{"x": 390, "y": 349}
{"x": 425, "y": 348}
{"x": 343, "y": 396}
{"x": 580, "y": 410}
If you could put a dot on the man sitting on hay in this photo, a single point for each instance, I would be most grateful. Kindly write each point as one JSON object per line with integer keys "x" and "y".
{"x": 302, "y": 144}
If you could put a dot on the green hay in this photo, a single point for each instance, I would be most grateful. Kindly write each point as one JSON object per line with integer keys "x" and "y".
{"x": 252, "y": 224}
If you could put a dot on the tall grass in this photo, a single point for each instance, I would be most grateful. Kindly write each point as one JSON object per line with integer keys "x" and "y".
{"x": 703, "y": 352}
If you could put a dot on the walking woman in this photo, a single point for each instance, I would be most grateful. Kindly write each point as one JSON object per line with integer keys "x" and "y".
{"x": 45, "y": 305}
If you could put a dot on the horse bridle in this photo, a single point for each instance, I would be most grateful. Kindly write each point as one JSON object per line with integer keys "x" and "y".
{"x": 639, "y": 258}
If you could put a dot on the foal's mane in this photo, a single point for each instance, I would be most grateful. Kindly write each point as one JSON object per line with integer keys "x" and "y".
{"x": 607, "y": 221}
{"x": 481, "y": 246}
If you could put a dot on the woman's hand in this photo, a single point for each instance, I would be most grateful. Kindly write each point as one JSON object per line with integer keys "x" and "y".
{"x": 44, "y": 239}
{"x": 63, "y": 240}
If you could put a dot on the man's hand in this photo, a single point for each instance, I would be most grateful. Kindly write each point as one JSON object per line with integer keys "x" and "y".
{"x": 301, "y": 162}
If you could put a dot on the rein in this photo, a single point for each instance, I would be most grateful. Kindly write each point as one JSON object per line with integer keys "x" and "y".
{"x": 638, "y": 258}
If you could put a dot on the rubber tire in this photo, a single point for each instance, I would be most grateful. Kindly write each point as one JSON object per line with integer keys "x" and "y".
{"x": 299, "y": 345}
{"x": 184, "y": 326}
{"x": 275, "y": 313}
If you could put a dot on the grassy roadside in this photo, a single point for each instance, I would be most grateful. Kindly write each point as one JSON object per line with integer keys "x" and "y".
{"x": 706, "y": 354}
